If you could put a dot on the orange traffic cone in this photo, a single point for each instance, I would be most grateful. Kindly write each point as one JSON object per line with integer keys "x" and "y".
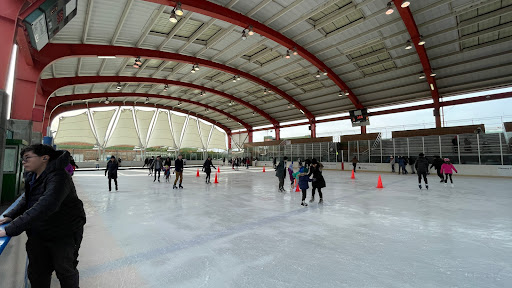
{"x": 263, "y": 168}
{"x": 353, "y": 176}
{"x": 379, "y": 183}
{"x": 197, "y": 175}
{"x": 297, "y": 189}
{"x": 218, "y": 169}
{"x": 216, "y": 181}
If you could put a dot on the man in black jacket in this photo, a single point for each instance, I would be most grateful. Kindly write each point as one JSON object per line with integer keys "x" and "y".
{"x": 178, "y": 168}
{"x": 437, "y": 163}
{"x": 111, "y": 170}
{"x": 51, "y": 214}
{"x": 422, "y": 168}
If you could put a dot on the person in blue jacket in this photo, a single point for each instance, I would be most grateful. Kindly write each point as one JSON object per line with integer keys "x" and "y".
{"x": 303, "y": 180}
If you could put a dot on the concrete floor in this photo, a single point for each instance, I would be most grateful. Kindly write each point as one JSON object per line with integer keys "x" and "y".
{"x": 242, "y": 232}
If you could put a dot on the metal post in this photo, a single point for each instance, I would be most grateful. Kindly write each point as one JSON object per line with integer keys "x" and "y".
{"x": 501, "y": 151}
{"x": 369, "y": 152}
{"x": 478, "y": 147}
{"x": 440, "y": 148}
{"x": 291, "y": 152}
{"x": 394, "y": 152}
{"x": 348, "y": 152}
{"x": 423, "y": 143}
{"x": 312, "y": 151}
{"x": 408, "y": 148}
{"x": 329, "y": 152}
{"x": 358, "y": 156}
{"x": 380, "y": 142}
{"x": 320, "y": 150}
{"x": 458, "y": 148}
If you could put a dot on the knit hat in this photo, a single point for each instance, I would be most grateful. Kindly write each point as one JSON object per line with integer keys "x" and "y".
{"x": 446, "y": 159}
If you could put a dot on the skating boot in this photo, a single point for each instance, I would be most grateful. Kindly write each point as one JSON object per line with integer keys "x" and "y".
{"x": 174, "y": 187}
{"x": 426, "y": 186}
{"x": 441, "y": 181}
{"x": 117, "y": 188}
{"x": 419, "y": 186}
{"x": 312, "y": 200}
{"x": 304, "y": 203}
{"x": 181, "y": 187}
{"x": 321, "y": 201}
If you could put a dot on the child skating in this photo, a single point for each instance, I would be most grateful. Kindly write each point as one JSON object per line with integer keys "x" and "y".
{"x": 447, "y": 169}
{"x": 290, "y": 172}
{"x": 421, "y": 165}
{"x": 303, "y": 180}
{"x": 167, "y": 173}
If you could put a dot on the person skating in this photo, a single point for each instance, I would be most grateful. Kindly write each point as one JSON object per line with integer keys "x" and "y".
{"x": 167, "y": 173}
{"x": 207, "y": 168}
{"x": 392, "y": 162}
{"x": 437, "y": 163}
{"x": 354, "y": 163}
{"x": 157, "y": 166}
{"x": 421, "y": 165}
{"x": 150, "y": 165}
{"x": 412, "y": 162}
{"x": 402, "y": 165}
{"x": 281, "y": 173}
{"x": 447, "y": 169}
{"x": 318, "y": 180}
{"x": 111, "y": 170}
{"x": 52, "y": 216}
{"x": 178, "y": 168}
{"x": 303, "y": 182}
{"x": 290, "y": 172}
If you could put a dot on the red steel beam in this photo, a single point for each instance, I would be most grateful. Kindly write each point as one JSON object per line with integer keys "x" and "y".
{"x": 222, "y": 13}
{"x": 62, "y": 109}
{"x": 9, "y": 10}
{"x": 57, "y": 100}
{"x": 53, "y": 52}
{"x": 51, "y": 85}
{"x": 405, "y": 109}
{"x": 410, "y": 24}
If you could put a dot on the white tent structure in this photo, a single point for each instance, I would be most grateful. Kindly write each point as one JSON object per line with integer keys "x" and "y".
{"x": 130, "y": 126}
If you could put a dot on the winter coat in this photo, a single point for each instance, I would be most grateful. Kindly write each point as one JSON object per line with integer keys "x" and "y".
{"x": 207, "y": 166}
{"x": 421, "y": 165}
{"x": 392, "y": 160}
{"x": 438, "y": 162}
{"x": 112, "y": 169}
{"x": 280, "y": 170}
{"x": 69, "y": 169}
{"x": 178, "y": 165}
{"x": 157, "y": 164}
{"x": 290, "y": 172}
{"x": 318, "y": 178}
{"x": 448, "y": 168}
{"x": 303, "y": 178}
{"x": 50, "y": 207}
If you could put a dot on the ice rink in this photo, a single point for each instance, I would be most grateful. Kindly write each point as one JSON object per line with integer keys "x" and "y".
{"x": 242, "y": 232}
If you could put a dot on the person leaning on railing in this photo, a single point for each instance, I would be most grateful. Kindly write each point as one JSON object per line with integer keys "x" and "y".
{"x": 51, "y": 214}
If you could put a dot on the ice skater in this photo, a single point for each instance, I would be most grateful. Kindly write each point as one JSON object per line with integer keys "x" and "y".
{"x": 207, "y": 168}
{"x": 354, "y": 164}
{"x": 178, "y": 168}
{"x": 157, "y": 165}
{"x": 167, "y": 173}
{"x": 290, "y": 172}
{"x": 437, "y": 163}
{"x": 150, "y": 167}
{"x": 421, "y": 165}
{"x": 303, "y": 180}
{"x": 281, "y": 173}
{"x": 447, "y": 169}
{"x": 111, "y": 170}
{"x": 318, "y": 180}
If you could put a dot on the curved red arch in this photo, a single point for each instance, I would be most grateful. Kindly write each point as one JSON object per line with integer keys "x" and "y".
{"x": 222, "y": 13}
{"x": 51, "y": 85}
{"x": 55, "y": 101}
{"x": 52, "y": 52}
{"x": 62, "y": 109}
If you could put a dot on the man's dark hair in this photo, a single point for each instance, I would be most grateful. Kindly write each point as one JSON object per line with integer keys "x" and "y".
{"x": 39, "y": 150}
{"x": 421, "y": 155}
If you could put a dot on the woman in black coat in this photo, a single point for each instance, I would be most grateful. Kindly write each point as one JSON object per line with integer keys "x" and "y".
{"x": 206, "y": 168}
{"x": 111, "y": 169}
{"x": 318, "y": 179}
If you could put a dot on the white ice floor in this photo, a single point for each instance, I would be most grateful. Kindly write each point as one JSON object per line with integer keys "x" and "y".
{"x": 242, "y": 232}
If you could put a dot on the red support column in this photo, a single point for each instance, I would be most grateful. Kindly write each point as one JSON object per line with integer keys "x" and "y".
{"x": 363, "y": 129}
{"x": 250, "y": 132}
{"x": 229, "y": 141}
{"x": 9, "y": 10}
{"x": 278, "y": 133}
{"x": 313, "y": 129}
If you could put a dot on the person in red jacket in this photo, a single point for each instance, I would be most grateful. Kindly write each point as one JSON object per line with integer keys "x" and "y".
{"x": 447, "y": 169}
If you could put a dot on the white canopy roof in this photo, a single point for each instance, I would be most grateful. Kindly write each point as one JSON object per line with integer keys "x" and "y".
{"x": 75, "y": 129}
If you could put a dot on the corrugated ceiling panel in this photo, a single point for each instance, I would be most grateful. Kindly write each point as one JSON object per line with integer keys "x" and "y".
{"x": 104, "y": 20}
{"x": 136, "y": 21}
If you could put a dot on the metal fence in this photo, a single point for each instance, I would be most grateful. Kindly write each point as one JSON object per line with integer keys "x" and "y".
{"x": 322, "y": 151}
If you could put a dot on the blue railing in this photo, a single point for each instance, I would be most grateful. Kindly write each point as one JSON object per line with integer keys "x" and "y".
{"x": 5, "y": 240}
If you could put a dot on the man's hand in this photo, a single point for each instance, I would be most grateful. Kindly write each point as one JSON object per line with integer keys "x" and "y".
{"x": 5, "y": 220}
{"x": 2, "y": 233}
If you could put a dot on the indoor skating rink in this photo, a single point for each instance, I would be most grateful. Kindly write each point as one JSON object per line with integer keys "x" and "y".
{"x": 242, "y": 232}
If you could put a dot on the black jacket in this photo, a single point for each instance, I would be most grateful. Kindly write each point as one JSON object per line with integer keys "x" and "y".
{"x": 112, "y": 169}
{"x": 280, "y": 170}
{"x": 421, "y": 165}
{"x": 178, "y": 165}
{"x": 50, "y": 208}
{"x": 207, "y": 166}
{"x": 319, "y": 181}
{"x": 438, "y": 162}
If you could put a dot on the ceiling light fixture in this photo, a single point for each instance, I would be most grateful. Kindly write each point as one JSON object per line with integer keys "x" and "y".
{"x": 295, "y": 51}
{"x": 166, "y": 87}
{"x": 179, "y": 103}
{"x": 251, "y": 31}
{"x": 178, "y": 9}
{"x": 107, "y": 57}
{"x": 347, "y": 93}
{"x": 431, "y": 86}
{"x": 408, "y": 45}
{"x": 193, "y": 70}
{"x": 287, "y": 54}
{"x": 147, "y": 100}
{"x": 301, "y": 111}
{"x": 234, "y": 78}
{"x": 196, "y": 67}
{"x": 137, "y": 61}
{"x": 289, "y": 106}
{"x": 265, "y": 92}
{"x": 238, "y": 78}
{"x": 432, "y": 73}
{"x": 173, "y": 18}
{"x": 340, "y": 94}
{"x": 253, "y": 113}
{"x": 422, "y": 41}
{"x": 118, "y": 87}
{"x": 107, "y": 101}
{"x": 325, "y": 73}
{"x": 405, "y": 4}
{"x": 317, "y": 74}
{"x": 422, "y": 76}
{"x": 244, "y": 35}
{"x": 389, "y": 9}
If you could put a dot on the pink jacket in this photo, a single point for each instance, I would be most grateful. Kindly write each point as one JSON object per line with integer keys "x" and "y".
{"x": 448, "y": 169}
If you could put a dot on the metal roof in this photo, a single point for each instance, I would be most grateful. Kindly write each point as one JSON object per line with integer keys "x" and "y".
{"x": 468, "y": 44}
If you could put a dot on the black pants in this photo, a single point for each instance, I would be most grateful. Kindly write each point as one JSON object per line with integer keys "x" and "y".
{"x": 59, "y": 255}
{"x": 319, "y": 192}
{"x": 157, "y": 170}
{"x": 424, "y": 175}
{"x": 440, "y": 174}
{"x": 354, "y": 164}
{"x": 208, "y": 175}
{"x": 446, "y": 178}
{"x": 110, "y": 183}
{"x": 392, "y": 167}
{"x": 281, "y": 182}
{"x": 304, "y": 191}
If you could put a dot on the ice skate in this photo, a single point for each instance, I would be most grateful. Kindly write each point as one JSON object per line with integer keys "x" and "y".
{"x": 116, "y": 188}
{"x": 181, "y": 187}
{"x": 304, "y": 203}
{"x": 174, "y": 187}
{"x": 321, "y": 201}
{"x": 419, "y": 186}
{"x": 312, "y": 200}
{"x": 426, "y": 186}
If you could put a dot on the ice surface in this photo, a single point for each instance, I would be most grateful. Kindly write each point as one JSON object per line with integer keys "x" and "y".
{"x": 242, "y": 232}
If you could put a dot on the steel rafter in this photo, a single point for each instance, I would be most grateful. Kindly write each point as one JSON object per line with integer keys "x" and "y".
{"x": 57, "y": 100}
{"x": 51, "y": 85}
{"x": 410, "y": 24}
{"x": 222, "y": 13}
{"x": 53, "y": 52}
{"x": 67, "y": 108}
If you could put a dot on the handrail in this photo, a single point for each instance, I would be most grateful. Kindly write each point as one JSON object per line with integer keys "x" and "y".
{"x": 5, "y": 240}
